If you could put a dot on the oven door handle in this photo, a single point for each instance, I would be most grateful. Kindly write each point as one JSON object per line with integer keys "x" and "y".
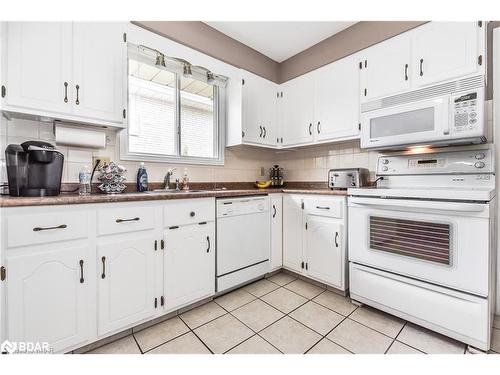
{"x": 418, "y": 204}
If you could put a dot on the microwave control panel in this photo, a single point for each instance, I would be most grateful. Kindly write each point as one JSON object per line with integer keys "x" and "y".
{"x": 466, "y": 112}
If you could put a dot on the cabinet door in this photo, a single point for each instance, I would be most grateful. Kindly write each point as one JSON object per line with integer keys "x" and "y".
{"x": 445, "y": 50}
{"x": 125, "y": 282}
{"x": 189, "y": 264}
{"x": 48, "y": 298}
{"x": 251, "y": 95}
{"x": 385, "y": 68}
{"x": 38, "y": 67}
{"x": 324, "y": 247}
{"x": 292, "y": 232}
{"x": 269, "y": 113}
{"x": 99, "y": 70}
{"x": 276, "y": 232}
{"x": 298, "y": 110}
{"x": 336, "y": 108}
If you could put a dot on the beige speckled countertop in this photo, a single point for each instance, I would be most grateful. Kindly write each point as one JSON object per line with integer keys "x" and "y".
{"x": 72, "y": 198}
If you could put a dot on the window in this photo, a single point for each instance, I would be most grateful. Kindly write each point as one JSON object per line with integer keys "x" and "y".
{"x": 173, "y": 112}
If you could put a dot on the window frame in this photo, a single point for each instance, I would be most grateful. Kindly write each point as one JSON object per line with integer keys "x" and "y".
{"x": 219, "y": 137}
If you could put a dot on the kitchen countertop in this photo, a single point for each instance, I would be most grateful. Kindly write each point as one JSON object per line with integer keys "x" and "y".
{"x": 73, "y": 198}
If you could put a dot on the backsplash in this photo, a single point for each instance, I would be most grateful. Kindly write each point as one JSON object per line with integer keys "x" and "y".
{"x": 241, "y": 164}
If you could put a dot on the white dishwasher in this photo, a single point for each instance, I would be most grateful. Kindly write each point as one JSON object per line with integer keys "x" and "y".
{"x": 243, "y": 240}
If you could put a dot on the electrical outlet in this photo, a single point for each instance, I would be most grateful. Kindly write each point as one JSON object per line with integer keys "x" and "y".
{"x": 101, "y": 160}
{"x": 262, "y": 171}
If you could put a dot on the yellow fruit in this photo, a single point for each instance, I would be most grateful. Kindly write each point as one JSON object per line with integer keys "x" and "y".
{"x": 263, "y": 184}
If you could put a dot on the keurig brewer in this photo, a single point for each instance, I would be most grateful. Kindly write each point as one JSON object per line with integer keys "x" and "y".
{"x": 34, "y": 169}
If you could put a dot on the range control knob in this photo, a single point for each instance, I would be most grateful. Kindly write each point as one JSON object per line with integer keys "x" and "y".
{"x": 385, "y": 161}
{"x": 385, "y": 169}
{"x": 480, "y": 155}
{"x": 479, "y": 164}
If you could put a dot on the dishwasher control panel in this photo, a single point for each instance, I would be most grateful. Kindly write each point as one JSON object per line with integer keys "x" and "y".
{"x": 242, "y": 206}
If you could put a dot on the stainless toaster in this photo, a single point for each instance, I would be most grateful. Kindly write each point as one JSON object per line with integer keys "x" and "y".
{"x": 344, "y": 178}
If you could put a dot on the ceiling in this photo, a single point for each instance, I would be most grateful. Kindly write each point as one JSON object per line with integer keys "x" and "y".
{"x": 279, "y": 40}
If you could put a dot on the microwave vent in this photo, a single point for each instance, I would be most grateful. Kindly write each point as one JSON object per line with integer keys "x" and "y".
{"x": 447, "y": 88}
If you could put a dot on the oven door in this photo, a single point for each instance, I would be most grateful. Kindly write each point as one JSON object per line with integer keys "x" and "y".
{"x": 445, "y": 243}
{"x": 415, "y": 123}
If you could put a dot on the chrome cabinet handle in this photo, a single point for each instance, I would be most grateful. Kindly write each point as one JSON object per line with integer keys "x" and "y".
{"x": 39, "y": 229}
{"x": 322, "y": 207}
{"x": 103, "y": 275}
{"x": 318, "y": 127}
{"x": 274, "y": 211}
{"x": 208, "y": 240}
{"x": 77, "y": 102}
{"x": 310, "y": 127}
{"x": 260, "y": 135}
{"x": 406, "y": 72}
{"x": 265, "y": 132}
{"x": 82, "y": 280}
{"x": 336, "y": 239}
{"x": 65, "y": 92}
{"x": 421, "y": 67}
{"x": 125, "y": 220}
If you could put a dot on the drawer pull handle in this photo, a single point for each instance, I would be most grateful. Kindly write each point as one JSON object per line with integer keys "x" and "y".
{"x": 38, "y": 229}
{"x": 336, "y": 239}
{"x": 103, "y": 275}
{"x": 82, "y": 280}
{"x": 208, "y": 240}
{"x": 65, "y": 92}
{"x": 125, "y": 220}
{"x": 322, "y": 207}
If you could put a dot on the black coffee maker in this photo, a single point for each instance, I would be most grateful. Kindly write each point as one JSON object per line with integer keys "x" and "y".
{"x": 34, "y": 169}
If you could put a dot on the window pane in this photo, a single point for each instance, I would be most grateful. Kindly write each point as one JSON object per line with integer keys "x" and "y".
{"x": 152, "y": 128}
{"x": 198, "y": 128}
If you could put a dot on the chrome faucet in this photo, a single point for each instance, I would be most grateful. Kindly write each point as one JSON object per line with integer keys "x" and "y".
{"x": 166, "y": 180}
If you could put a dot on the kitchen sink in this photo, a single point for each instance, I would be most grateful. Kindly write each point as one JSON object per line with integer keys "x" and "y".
{"x": 173, "y": 191}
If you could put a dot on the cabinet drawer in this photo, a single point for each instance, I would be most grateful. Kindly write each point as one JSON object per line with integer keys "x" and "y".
{"x": 30, "y": 229}
{"x": 325, "y": 206}
{"x": 189, "y": 211}
{"x": 125, "y": 219}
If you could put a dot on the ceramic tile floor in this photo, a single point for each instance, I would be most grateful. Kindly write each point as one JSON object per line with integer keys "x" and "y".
{"x": 284, "y": 314}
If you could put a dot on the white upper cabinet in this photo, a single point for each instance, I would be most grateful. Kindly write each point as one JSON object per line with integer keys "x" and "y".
{"x": 297, "y": 110}
{"x": 385, "y": 68}
{"x": 259, "y": 112}
{"x": 336, "y": 104}
{"x": 48, "y": 295}
{"x": 37, "y": 73}
{"x": 445, "y": 50}
{"x": 99, "y": 70}
{"x": 69, "y": 71}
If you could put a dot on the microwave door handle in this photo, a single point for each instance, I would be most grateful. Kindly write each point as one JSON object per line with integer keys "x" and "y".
{"x": 405, "y": 204}
{"x": 448, "y": 119}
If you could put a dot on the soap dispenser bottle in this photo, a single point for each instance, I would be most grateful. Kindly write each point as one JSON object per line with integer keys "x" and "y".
{"x": 142, "y": 178}
{"x": 185, "y": 180}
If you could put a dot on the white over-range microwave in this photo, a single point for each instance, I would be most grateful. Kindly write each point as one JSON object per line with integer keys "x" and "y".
{"x": 451, "y": 113}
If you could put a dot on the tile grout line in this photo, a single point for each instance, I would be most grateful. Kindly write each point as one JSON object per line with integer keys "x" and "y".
{"x": 136, "y": 343}
{"x": 194, "y": 333}
{"x": 394, "y": 339}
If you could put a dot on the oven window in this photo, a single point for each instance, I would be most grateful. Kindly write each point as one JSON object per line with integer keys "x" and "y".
{"x": 417, "y": 239}
{"x": 420, "y": 120}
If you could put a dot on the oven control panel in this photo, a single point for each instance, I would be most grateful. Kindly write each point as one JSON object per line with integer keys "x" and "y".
{"x": 467, "y": 112}
{"x": 470, "y": 161}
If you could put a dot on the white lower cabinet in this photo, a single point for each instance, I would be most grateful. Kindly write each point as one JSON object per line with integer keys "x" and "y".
{"x": 276, "y": 261}
{"x": 324, "y": 249}
{"x": 48, "y": 295}
{"x": 189, "y": 264}
{"x": 314, "y": 238}
{"x": 126, "y": 290}
{"x": 292, "y": 232}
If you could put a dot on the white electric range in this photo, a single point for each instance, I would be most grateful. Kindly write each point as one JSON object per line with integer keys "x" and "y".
{"x": 422, "y": 243}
